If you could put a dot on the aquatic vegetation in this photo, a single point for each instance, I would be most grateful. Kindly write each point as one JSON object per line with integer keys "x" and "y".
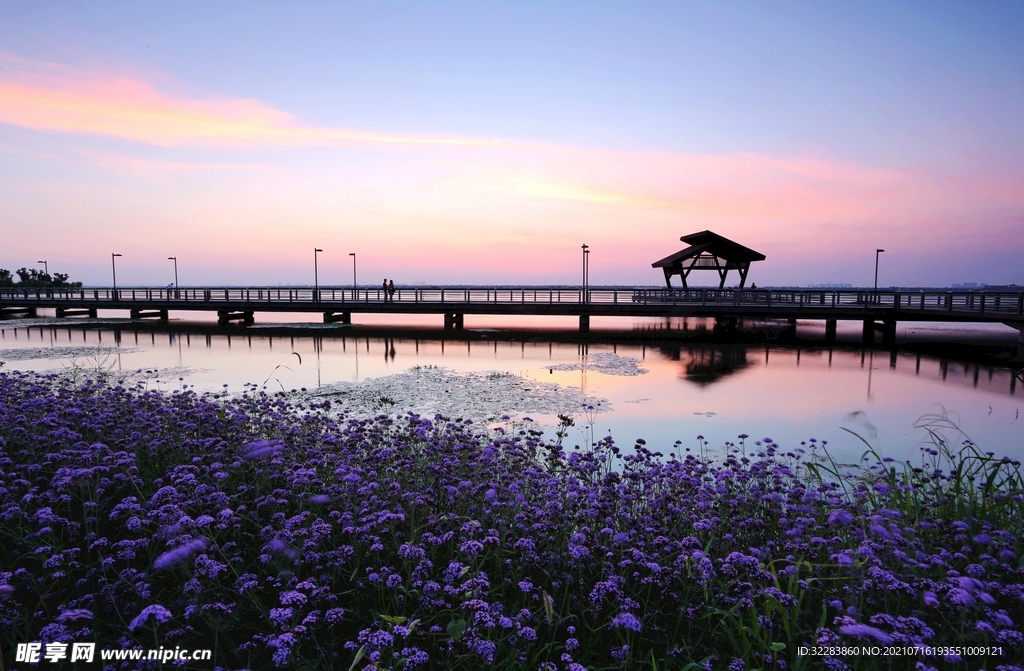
{"x": 429, "y": 390}
{"x": 281, "y": 534}
{"x": 608, "y": 363}
{"x": 80, "y": 355}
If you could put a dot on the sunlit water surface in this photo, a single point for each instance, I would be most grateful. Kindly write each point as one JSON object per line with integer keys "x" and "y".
{"x": 661, "y": 393}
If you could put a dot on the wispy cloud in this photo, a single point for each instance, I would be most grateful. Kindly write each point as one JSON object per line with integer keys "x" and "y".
{"x": 53, "y": 97}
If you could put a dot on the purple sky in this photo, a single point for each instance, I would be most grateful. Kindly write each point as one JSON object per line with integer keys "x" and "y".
{"x": 484, "y": 143}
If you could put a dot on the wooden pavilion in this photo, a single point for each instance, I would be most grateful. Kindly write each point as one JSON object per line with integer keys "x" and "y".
{"x": 708, "y": 251}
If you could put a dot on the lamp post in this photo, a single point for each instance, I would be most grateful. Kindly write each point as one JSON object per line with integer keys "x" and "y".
{"x": 354, "y": 284}
{"x": 175, "y": 259}
{"x": 586, "y": 268}
{"x": 113, "y": 272}
{"x": 46, "y": 268}
{"x": 585, "y": 247}
{"x": 877, "y": 252}
{"x": 316, "y": 276}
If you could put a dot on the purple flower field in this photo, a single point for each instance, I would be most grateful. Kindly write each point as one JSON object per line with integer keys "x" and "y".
{"x": 279, "y": 535}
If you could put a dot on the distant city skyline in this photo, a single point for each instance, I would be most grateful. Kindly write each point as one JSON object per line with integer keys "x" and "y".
{"x": 484, "y": 143}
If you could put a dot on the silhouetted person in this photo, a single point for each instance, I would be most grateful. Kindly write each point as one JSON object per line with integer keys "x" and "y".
{"x": 391, "y": 291}
{"x": 384, "y": 286}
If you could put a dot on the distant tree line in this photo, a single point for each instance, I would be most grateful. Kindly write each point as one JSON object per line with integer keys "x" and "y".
{"x": 30, "y": 277}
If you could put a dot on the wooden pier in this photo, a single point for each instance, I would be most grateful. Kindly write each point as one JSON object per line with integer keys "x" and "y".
{"x": 878, "y": 310}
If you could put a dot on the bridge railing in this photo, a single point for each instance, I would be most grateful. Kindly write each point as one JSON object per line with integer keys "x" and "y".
{"x": 1008, "y": 304}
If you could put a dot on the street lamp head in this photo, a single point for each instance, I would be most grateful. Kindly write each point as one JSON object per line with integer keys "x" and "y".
{"x": 172, "y": 258}
{"x": 879, "y": 250}
{"x": 40, "y": 261}
{"x": 351, "y": 253}
{"x": 115, "y": 254}
{"x": 317, "y": 250}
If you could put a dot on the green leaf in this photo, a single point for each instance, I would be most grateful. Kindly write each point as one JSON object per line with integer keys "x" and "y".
{"x": 456, "y": 628}
{"x": 394, "y": 619}
{"x": 549, "y": 607}
{"x": 359, "y": 656}
{"x": 777, "y": 647}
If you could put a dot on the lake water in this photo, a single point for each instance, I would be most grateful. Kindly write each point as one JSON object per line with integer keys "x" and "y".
{"x": 663, "y": 389}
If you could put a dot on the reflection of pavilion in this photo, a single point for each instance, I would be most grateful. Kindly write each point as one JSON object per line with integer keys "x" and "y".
{"x": 708, "y": 364}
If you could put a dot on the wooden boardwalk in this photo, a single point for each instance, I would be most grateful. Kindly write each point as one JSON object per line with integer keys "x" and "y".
{"x": 877, "y": 309}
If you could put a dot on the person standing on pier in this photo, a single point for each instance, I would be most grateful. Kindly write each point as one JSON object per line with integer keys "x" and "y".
{"x": 391, "y": 291}
{"x": 384, "y": 286}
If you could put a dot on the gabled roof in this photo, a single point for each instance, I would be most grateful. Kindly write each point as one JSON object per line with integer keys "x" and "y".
{"x": 712, "y": 243}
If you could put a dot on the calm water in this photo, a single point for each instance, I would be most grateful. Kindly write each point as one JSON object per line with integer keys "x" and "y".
{"x": 661, "y": 392}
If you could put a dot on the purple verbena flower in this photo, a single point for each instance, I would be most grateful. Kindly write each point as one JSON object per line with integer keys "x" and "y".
{"x": 867, "y": 631}
{"x": 180, "y": 553}
{"x": 261, "y": 448}
{"x": 75, "y": 614}
{"x": 626, "y": 621}
{"x": 840, "y": 517}
{"x": 156, "y": 611}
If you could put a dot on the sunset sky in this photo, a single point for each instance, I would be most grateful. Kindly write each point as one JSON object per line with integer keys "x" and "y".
{"x": 468, "y": 142}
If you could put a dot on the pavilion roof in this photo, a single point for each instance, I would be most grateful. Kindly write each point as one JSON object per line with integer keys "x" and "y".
{"x": 712, "y": 243}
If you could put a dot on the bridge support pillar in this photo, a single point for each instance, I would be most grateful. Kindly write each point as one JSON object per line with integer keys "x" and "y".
{"x": 453, "y": 320}
{"x": 149, "y": 314}
{"x": 791, "y": 329}
{"x": 889, "y": 333}
{"x": 725, "y": 324}
{"x": 830, "y": 330}
{"x": 584, "y": 323}
{"x": 76, "y": 312}
{"x": 225, "y": 317}
{"x": 887, "y": 327}
{"x": 17, "y": 311}
{"x": 868, "y": 336}
{"x": 336, "y": 317}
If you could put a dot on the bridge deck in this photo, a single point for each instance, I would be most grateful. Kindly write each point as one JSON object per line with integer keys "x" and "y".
{"x": 858, "y": 304}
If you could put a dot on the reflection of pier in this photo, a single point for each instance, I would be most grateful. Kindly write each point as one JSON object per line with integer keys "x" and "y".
{"x": 703, "y": 363}
{"x": 706, "y": 364}
{"x": 975, "y": 375}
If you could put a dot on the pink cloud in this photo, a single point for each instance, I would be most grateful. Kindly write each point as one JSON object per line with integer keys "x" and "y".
{"x": 51, "y": 97}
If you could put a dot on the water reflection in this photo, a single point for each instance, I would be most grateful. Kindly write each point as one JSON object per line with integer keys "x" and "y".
{"x": 705, "y": 365}
{"x": 662, "y": 390}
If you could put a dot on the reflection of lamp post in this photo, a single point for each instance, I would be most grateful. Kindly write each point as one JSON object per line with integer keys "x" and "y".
{"x": 113, "y": 271}
{"x": 46, "y": 268}
{"x": 877, "y": 252}
{"x": 354, "y": 284}
{"x": 316, "y": 277}
{"x": 175, "y": 259}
